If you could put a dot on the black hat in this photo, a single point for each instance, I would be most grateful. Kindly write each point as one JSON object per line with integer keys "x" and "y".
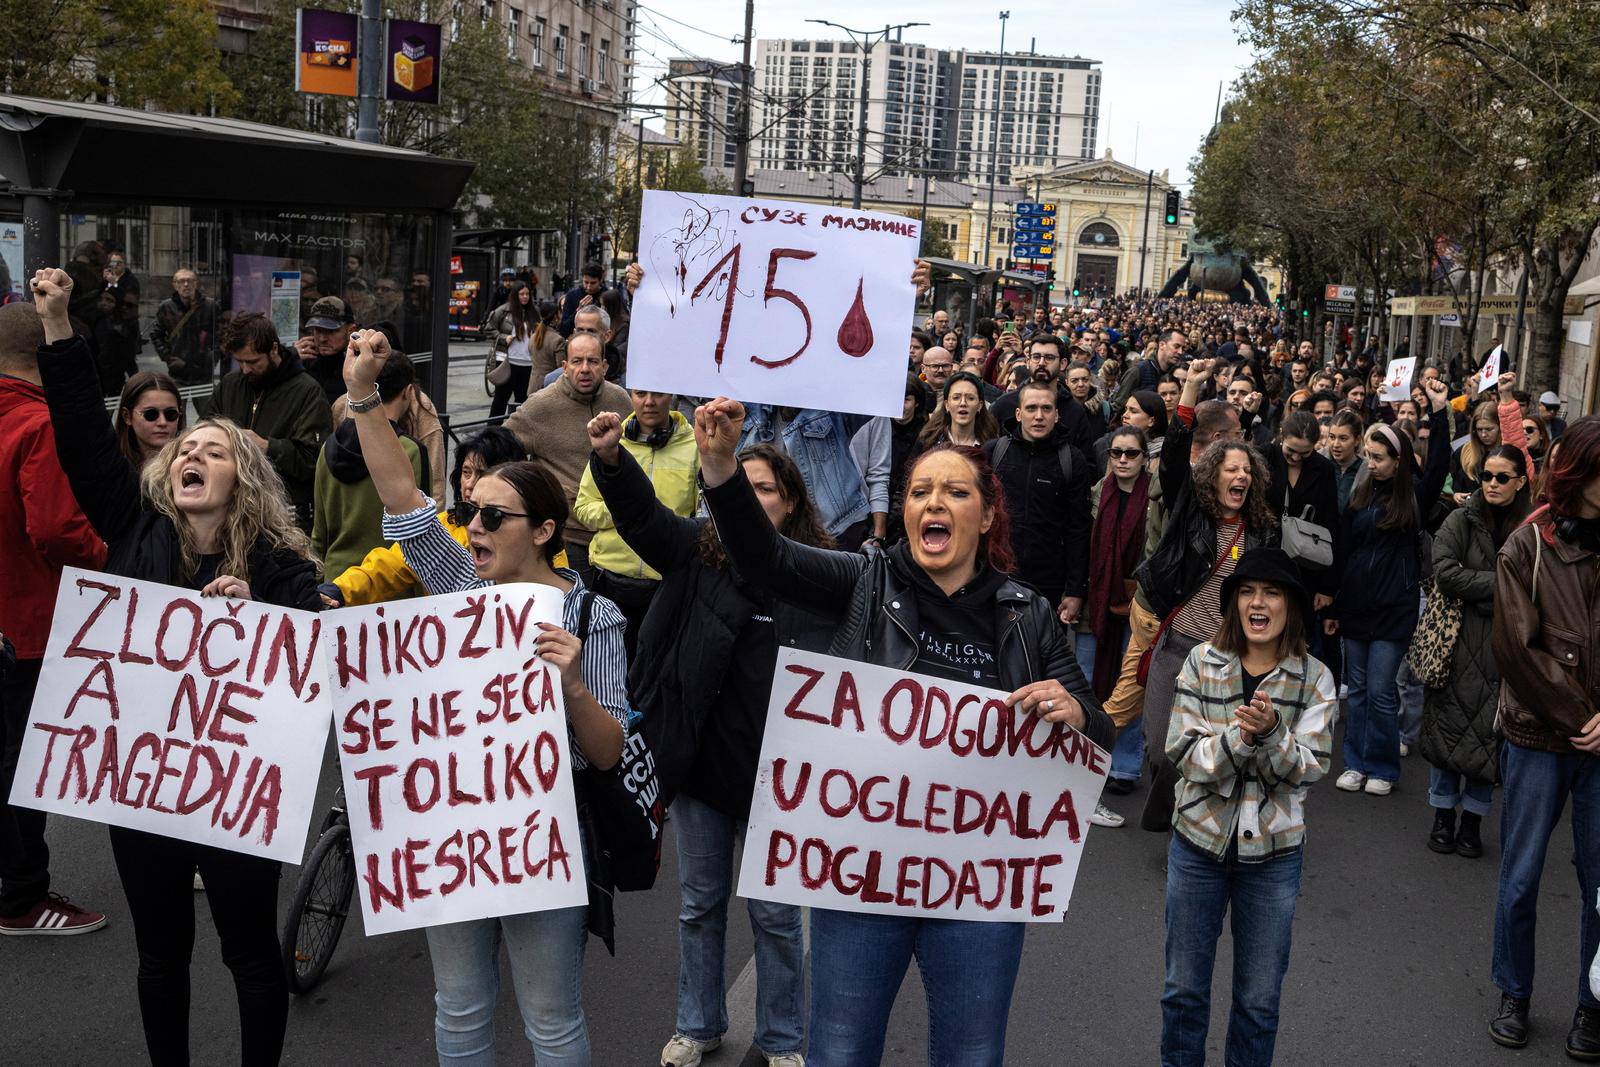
{"x": 1268, "y": 565}
{"x": 329, "y": 313}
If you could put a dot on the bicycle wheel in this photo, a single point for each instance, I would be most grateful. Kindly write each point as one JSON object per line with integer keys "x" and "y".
{"x": 318, "y": 911}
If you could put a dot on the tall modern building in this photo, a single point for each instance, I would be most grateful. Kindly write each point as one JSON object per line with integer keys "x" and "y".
{"x": 808, "y": 106}
{"x": 702, "y": 109}
{"x": 1048, "y": 113}
{"x": 926, "y": 108}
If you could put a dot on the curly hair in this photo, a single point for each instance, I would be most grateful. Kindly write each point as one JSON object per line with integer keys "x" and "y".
{"x": 258, "y": 512}
{"x": 1256, "y": 512}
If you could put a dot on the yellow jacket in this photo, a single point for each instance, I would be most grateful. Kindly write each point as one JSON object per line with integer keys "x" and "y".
{"x": 670, "y": 468}
{"x": 383, "y": 574}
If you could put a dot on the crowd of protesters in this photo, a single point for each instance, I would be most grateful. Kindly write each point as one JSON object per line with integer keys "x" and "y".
{"x": 1196, "y": 538}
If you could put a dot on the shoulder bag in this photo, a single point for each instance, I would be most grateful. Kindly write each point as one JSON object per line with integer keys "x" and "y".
{"x": 1435, "y": 639}
{"x": 1306, "y": 542}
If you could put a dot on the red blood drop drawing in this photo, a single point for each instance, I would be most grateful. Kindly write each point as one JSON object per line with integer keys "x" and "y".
{"x": 855, "y": 332}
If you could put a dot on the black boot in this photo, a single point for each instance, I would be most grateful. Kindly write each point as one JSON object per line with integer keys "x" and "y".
{"x": 1443, "y": 837}
{"x": 1468, "y": 843}
{"x": 1583, "y": 1043}
{"x": 1510, "y": 1027}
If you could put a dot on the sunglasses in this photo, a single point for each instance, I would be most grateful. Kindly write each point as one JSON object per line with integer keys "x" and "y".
{"x": 153, "y": 414}
{"x": 1125, "y": 453}
{"x": 463, "y": 511}
{"x": 1500, "y": 478}
{"x": 1530, "y": 429}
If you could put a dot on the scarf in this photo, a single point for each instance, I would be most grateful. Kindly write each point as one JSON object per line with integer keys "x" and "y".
{"x": 1114, "y": 551}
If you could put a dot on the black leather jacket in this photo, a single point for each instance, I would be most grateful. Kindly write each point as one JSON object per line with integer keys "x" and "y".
{"x": 876, "y": 607}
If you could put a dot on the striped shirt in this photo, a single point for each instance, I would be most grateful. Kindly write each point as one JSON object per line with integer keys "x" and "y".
{"x": 1201, "y": 615}
{"x": 444, "y": 566}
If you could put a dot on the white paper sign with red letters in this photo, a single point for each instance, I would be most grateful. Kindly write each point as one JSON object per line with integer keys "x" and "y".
{"x": 199, "y": 718}
{"x": 1489, "y": 376}
{"x": 884, "y": 791}
{"x": 773, "y": 301}
{"x": 452, "y": 738}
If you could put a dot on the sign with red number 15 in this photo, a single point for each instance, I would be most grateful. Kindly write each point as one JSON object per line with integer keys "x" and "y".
{"x": 773, "y": 301}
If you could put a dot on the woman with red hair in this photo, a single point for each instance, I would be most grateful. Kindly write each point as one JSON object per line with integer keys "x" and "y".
{"x": 940, "y": 603}
{"x": 1547, "y": 583}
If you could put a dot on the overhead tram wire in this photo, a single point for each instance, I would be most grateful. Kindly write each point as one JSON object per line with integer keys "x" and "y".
{"x": 688, "y": 26}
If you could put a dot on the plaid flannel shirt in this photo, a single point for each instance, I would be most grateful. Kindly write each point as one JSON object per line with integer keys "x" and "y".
{"x": 1253, "y": 792}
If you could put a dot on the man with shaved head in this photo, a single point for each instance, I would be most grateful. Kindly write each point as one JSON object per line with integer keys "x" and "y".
{"x": 41, "y": 531}
{"x": 937, "y": 366}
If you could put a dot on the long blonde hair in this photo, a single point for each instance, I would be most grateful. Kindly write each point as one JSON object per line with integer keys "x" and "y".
{"x": 259, "y": 510}
{"x": 1473, "y": 453}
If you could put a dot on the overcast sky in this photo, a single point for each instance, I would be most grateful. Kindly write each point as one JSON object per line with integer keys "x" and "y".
{"x": 1161, "y": 59}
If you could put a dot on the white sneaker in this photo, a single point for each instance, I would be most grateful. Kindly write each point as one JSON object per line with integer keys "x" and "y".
{"x": 1344, "y": 692}
{"x": 1405, "y": 750}
{"x": 684, "y": 1051}
{"x": 1378, "y": 787}
{"x": 199, "y": 886}
{"x": 1350, "y": 781}
{"x": 1104, "y": 816}
{"x": 787, "y": 1059}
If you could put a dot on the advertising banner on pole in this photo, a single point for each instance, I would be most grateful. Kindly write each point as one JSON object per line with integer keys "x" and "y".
{"x": 411, "y": 70}
{"x": 325, "y": 59}
{"x": 774, "y": 302}
{"x": 884, "y": 791}
{"x": 452, "y": 738}
{"x": 193, "y": 717}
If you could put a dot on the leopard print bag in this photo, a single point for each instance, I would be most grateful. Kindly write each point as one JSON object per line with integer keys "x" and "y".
{"x": 1435, "y": 637}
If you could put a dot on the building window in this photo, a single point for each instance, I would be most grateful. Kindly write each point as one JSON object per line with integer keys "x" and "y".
{"x": 1098, "y": 233}
{"x": 605, "y": 62}
{"x": 561, "y": 50}
{"x": 536, "y": 31}
{"x": 583, "y": 55}
{"x": 513, "y": 30}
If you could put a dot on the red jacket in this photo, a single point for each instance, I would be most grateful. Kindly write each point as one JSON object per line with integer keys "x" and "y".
{"x": 41, "y": 526}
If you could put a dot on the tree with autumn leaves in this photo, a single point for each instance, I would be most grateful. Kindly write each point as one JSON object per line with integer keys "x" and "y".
{"x": 1415, "y": 145}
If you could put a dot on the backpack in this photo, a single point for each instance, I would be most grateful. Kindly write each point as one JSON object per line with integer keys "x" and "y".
{"x": 1063, "y": 455}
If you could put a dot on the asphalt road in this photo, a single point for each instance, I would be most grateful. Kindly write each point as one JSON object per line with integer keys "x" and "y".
{"x": 1390, "y": 962}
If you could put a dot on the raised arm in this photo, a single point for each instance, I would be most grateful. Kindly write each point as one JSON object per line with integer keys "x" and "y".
{"x": 662, "y": 538}
{"x": 104, "y": 483}
{"x": 816, "y": 579}
{"x": 1433, "y": 475}
{"x": 387, "y": 462}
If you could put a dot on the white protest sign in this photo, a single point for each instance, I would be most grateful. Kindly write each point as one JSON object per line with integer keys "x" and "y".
{"x": 452, "y": 738}
{"x": 884, "y": 791}
{"x": 1397, "y": 380}
{"x": 1490, "y": 374}
{"x": 773, "y": 302}
{"x": 192, "y": 717}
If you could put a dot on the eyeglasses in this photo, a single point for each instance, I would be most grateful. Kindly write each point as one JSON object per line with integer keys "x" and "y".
{"x": 1125, "y": 453}
{"x": 1499, "y": 477}
{"x": 464, "y": 510}
{"x": 154, "y": 414}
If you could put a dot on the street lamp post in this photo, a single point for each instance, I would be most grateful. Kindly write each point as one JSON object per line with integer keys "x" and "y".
{"x": 866, "y": 43}
{"x": 994, "y": 142}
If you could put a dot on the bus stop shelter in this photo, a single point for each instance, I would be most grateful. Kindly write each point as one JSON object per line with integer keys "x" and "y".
{"x": 239, "y": 203}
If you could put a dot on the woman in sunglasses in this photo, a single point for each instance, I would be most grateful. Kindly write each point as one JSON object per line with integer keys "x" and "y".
{"x": 383, "y": 574}
{"x": 149, "y": 415}
{"x": 514, "y": 522}
{"x": 1459, "y": 738}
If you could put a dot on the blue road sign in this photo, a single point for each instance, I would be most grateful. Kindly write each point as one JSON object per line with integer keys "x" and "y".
{"x": 1030, "y": 251}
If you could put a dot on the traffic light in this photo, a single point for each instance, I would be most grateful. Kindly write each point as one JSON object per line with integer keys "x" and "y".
{"x": 1305, "y": 313}
{"x": 1174, "y": 203}
{"x": 1050, "y": 278}
{"x": 1077, "y": 286}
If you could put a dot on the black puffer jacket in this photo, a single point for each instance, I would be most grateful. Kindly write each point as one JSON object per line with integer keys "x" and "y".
{"x": 141, "y": 542}
{"x": 875, "y": 606}
{"x": 1458, "y": 721}
{"x": 687, "y": 639}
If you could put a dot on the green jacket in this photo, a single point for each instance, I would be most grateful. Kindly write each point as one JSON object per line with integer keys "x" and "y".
{"x": 288, "y": 408}
{"x": 348, "y": 520}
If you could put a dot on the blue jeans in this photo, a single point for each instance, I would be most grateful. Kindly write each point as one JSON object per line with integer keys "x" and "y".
{"x": 546, "y": 950}
{"x": 858, "y": 962}
{"x": 1261, "y": 897}
{"x": 705, "y": 872}
{"x": 1372, "y": 711}
{"x": 1410, "y": 695}
{"x": 1127, "y": 756}
{"x": 1447, "y": 789}
{"x": 1535, "y": 786}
